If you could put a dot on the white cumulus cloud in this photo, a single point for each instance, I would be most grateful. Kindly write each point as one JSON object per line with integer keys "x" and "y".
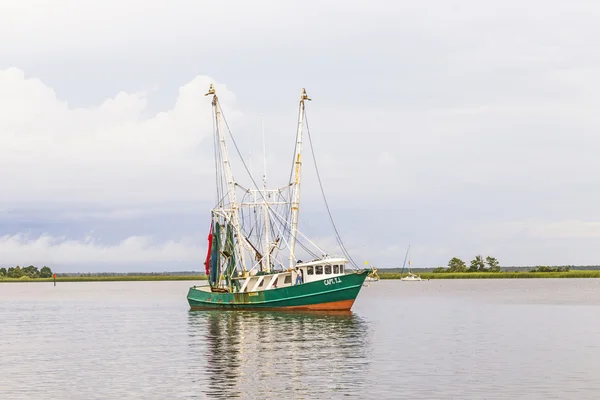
{"x": 116, "y": 151}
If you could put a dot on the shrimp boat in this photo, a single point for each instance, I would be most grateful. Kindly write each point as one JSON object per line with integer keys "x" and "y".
{"x": 252, "y": 260}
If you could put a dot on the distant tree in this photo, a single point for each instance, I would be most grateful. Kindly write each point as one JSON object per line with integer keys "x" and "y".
{"x": 477, "y": 264}
{"x": 457, "y": 265}
{"x": 543, "y": 268}
{"x": 2, "y": 272}
{"x": 14, "y": 272}
{"x": 440, "y": 270}
{"x": 31, "y": 271}
{"x": 493, "y": 264}
{"x": 45, "y": 272}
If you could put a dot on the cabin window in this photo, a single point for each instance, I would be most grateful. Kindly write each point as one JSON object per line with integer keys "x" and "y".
{"x": 319, "y": 270}
{"x": 261, "y": 283}
{"x": 336, "y": 269}
{"x": 341, "y": 269}
{"x": 309, "y": 271}
{"x": 288, "y": 279}
{"x": 328, "y": 269}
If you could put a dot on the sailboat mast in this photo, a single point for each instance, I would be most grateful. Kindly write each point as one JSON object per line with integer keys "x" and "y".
{"x": 405, "y": 258}
{"x": 297, "y": 175}
{"x": 233, "y": 211}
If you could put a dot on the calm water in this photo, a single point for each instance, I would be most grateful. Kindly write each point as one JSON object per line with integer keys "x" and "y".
{"x": 472, "y": 339}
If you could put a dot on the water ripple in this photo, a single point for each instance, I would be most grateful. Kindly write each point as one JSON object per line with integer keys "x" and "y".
{"x": 526, "y": 339}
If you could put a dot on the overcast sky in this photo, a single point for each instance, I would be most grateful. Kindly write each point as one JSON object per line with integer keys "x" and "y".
{"x": 459, "y": 127}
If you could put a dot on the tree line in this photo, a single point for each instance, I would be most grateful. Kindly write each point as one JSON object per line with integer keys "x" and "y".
{"x": 478, "y": 264}
{"x": 163, "y": 273}
{"x": 30, "y": 271}
{"x": 551, "y": 269}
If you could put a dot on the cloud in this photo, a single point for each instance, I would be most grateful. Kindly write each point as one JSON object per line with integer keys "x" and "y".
{"x": 88, "y": 253}
{"x": 115, "y": 151}
{"x": 456, "y": 127}
{"x": 539, "y": 229}
{"x": 386, "y": 160}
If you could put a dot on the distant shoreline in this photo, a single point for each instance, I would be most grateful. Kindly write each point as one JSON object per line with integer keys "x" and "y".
{"x": 115, "y": 278}
{"x": 498, "y": 275}
{"x": 382, "y": 275}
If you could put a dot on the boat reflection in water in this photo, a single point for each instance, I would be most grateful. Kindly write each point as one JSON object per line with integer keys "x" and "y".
{"x": 268, "y": 354}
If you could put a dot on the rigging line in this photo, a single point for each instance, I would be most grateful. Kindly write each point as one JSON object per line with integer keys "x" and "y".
{"x": 309, "y": 229}
{"x": 242, "y": 210}
{"x": 286, "y": 211}
{"x": 222, "y": 178}
{"x": 256, "y": 186}
{"x": 285, "y": 230}
{"x": 221, "y": 200}
{"x": 338, "y": 237}
{"x": 282, "y": 237}
{"x": 240, "y": 154}
{"x": 272, "y": 226}
{"x": 295, "y": 148}
{"x": 299, "y": 242}
{"x": 304, "y": 236}
{"x": 282, "y": 223}
{"x": 290, "y": 193}
{"x": 242, "y": 159}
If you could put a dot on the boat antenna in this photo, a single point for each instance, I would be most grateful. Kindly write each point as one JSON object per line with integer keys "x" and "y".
{"x": 267, "y": 255}
{"x": 262, "y": 127}
{"x": 250, "y": 158}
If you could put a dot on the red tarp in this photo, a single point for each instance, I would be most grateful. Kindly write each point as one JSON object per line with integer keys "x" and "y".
{"x": 210, "y": 237}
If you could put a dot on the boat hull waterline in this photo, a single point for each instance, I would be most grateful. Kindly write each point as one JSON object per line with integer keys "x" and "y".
{"x": 334, "y": 294}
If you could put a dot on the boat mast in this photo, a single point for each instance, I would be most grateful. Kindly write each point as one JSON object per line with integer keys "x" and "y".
{"x": 233, "y": 211}
{"x": 404, "y": 263}
{"x": 297, "y": 175}
{"x": 266, "y": 252}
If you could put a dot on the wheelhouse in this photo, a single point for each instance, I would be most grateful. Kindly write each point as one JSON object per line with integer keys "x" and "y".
{"x": 322, "y": 269}
{"x": 308, "y": 271}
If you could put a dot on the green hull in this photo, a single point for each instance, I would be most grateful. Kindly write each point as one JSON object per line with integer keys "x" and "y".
{"x": 334, "y": 294}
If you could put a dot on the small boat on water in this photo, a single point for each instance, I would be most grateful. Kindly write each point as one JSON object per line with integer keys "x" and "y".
{"x": 410, "y": 277}
{"x": 373, "y": 276}
{"x": 251, "y": 262}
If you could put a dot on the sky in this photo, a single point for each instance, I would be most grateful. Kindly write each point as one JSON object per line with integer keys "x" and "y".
{"x": 456, "y": 127}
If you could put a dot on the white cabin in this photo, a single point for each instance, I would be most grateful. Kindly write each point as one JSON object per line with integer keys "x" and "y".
{"x": 310, "y": 271}
{"x": 322, "y": 269}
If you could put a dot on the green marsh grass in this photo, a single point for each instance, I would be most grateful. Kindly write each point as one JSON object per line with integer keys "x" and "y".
{"x": 499, "y": 275}
{"x": 382, "y": 275}
{"x": 117, "y": 278}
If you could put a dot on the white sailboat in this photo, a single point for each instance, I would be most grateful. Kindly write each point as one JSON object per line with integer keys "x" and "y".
{"x": 410, "y": 276}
